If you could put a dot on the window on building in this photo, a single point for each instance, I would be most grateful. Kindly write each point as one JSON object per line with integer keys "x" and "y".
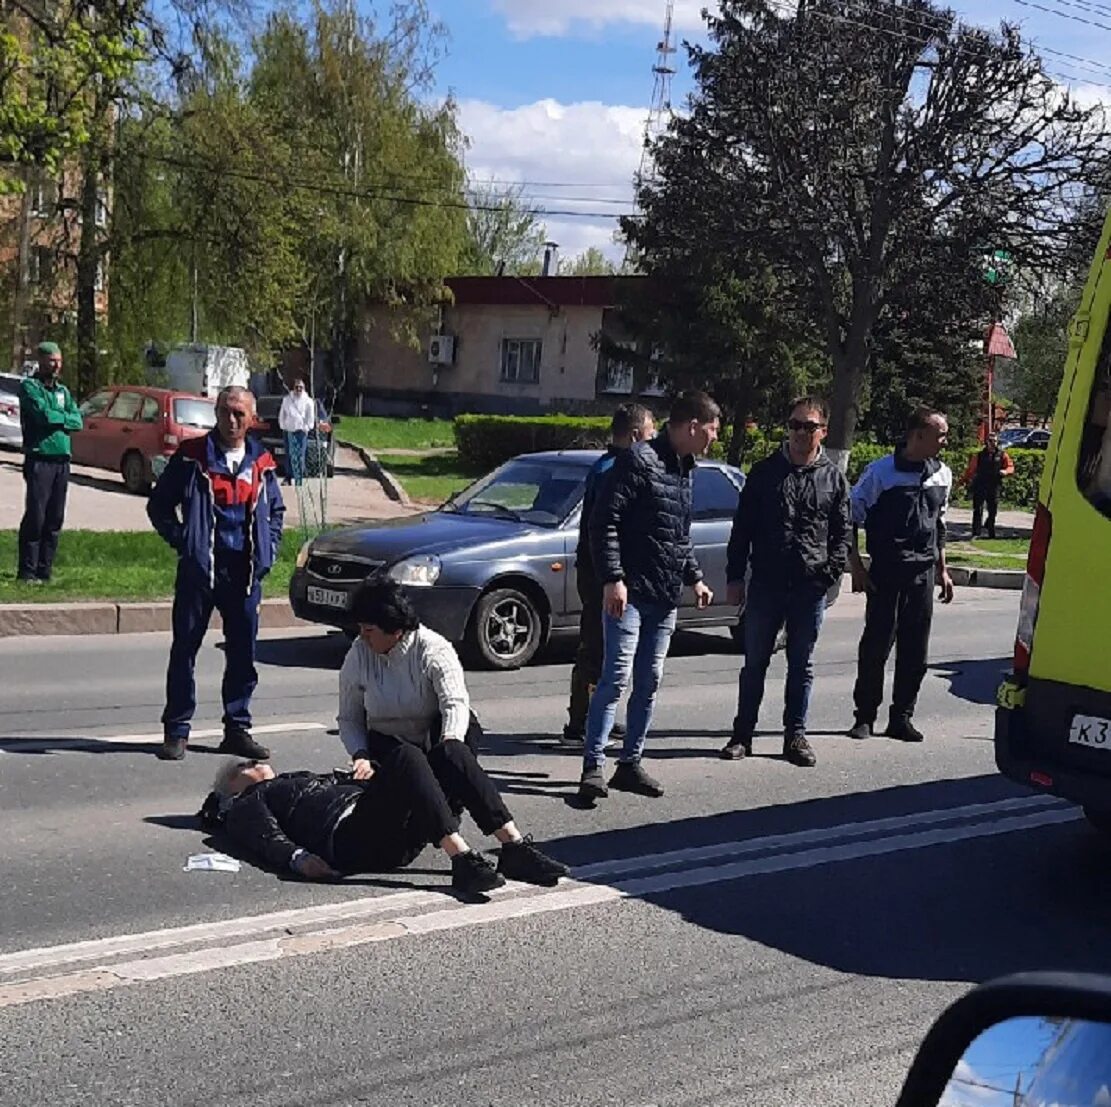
{"x": 520, "y": 360}
{"x": 41, "y": 269}
{"x": 101, "y": 210}
{"x": 617, "y": 377}
{"x": 98, "y": 282}
{"x": 44, "y": 198}
{"x": 654, "y": 386}
{"x": 714, "y": 495}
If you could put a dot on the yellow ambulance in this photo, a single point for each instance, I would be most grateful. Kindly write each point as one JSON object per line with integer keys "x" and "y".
{"x": 1053, "y": 725}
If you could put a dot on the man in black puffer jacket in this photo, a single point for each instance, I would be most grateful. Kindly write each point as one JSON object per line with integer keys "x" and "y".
{"x": 793, "y": 528}
{"x": 322, "y": 827}
{"x": 641, "y": 548}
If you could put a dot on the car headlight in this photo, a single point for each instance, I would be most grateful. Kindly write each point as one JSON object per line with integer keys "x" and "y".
{"x": 303, "y": 554}
{"x": 419, "y": 571}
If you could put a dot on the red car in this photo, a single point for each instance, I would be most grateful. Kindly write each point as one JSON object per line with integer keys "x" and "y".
{"x": 134, "y": 430}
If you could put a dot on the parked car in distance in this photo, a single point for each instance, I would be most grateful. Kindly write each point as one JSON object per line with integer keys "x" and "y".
{"x": 1025, "y": 438}
{"x": 493, "y": 569}
{"x": 321, "y": 444}
{"x": 11, "y": 433}
{"x": 134, "y": 430}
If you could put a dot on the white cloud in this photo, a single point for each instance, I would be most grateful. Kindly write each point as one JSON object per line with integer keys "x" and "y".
{"x": 591, "y": 148}
{"x": 528, "y": 18}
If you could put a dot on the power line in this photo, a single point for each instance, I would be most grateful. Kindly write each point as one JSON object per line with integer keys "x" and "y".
{"x": 1064, "y": 15}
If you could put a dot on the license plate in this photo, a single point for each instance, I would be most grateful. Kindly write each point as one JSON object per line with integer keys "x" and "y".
{"x": 1090, "y": 730}
{"x": 327, "y": 597}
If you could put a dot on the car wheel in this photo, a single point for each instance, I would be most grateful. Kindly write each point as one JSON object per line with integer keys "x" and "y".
{"x": 1099, "y": 819}
{"x": 505, "y": 630}
{"x": 134, "y": 470}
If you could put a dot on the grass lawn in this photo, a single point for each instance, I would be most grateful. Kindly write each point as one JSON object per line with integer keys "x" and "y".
{"x": 115, "y": 565}
{"x": 989, "y": 553}
{"x": 431, "y": 479}
{"x": 377, "y": 433}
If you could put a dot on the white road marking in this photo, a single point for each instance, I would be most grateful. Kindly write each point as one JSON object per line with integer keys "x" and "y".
{"x": 145, "y": 739}
{"x": 518, "y": 901}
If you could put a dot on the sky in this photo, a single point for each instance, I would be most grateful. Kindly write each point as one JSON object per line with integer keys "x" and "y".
{"x": 555, "y": 93}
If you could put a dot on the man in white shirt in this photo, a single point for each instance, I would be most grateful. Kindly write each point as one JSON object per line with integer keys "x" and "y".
{"x": 402, "y": 687}
{"x": 297, "y": 419}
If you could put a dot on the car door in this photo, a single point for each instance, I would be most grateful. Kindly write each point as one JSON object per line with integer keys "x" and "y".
{"x": 121, "y": 431}
{"x": 713, "y": 505}
{"x": 88, "y": 444}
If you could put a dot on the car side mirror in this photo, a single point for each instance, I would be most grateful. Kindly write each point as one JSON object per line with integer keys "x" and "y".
{"x": 1024, "y": 1041}
{"x": 336, "y": 420}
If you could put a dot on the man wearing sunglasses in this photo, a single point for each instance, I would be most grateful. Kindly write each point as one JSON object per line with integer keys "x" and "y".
{"x": 792, "y": 530}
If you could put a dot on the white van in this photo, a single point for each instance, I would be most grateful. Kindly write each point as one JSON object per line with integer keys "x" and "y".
{"x": 205, "y": 370}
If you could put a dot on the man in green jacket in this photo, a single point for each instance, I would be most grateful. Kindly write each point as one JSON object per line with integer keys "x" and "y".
{"x": 47, "y": 414}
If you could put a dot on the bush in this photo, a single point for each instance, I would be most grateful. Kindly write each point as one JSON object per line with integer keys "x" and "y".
{"x": 486, "y": 441}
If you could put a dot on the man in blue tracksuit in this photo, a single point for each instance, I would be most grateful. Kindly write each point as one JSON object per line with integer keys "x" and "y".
{"x": 219, "y": 508}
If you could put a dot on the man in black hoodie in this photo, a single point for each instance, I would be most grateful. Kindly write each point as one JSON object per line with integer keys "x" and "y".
{"x": 793, "y": 528}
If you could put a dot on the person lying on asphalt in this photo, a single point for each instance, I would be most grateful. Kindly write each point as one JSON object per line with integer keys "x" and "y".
{"x": 325, "y": 826}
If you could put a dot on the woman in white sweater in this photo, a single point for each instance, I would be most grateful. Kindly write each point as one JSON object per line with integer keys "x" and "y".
{"x": 402, "y": 683}
{"x": 297, "y": 419}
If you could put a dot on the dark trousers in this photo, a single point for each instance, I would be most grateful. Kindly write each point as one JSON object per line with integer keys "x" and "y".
{"x": 769, "y": 607}
{"x": 899, "y": 612}
{"x": 414, "y": 800}
{"x": 193, "y": 606}
{"x": 47, "y": 479}
{"x": 984, "y": 498}
{"x": 587, "y": 669}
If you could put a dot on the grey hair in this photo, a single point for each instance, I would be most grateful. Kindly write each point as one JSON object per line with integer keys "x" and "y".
{"x": 226, "y": 776}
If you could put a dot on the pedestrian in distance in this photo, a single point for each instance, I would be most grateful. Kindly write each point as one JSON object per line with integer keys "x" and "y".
{"x": 900, "y": 500}
{"x": 792, "y": 528}
{"x": 403, "y": 703}
{"x": 631, "y": 423}
{"x": 219, "y": 508}
{"x": 641, "y": 549}
{"x": 984, "y": 478}
{"x": 297, "y": 420}
{"x": 47, "y": 417}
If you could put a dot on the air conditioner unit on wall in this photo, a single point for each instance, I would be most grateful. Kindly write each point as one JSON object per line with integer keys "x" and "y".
{"x": 441, "y": 349}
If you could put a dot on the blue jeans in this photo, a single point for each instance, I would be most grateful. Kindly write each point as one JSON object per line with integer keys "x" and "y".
{"x": 636, "y": 645}
{"x": 802, "y": 608}
{"x": 296, "y": 443}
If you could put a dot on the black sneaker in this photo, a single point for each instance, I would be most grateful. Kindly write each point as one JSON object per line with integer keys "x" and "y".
{"x": 736, "y": 750}
{"x": 631, "y": 777}
{"x": 903, "y": 730}
{"x": 796, "y": 750}
{"x": 523, "y": 861}
{"x": 239, "y": 743}
{"x": 861, "y": 729}
{"x": 592, "y": 786}
{"x": 573, "y": 738}
{"x": 172, "y": 749}
{"x": 617, "y": 732}
{"x": 474, "y": 875}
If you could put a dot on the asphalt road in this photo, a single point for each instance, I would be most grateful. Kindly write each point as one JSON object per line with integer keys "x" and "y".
{"x": 762, "y": 934}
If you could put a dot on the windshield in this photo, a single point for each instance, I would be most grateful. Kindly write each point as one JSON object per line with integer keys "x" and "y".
{"x": 542, "y": 493}
{"x": 195, "y": 413}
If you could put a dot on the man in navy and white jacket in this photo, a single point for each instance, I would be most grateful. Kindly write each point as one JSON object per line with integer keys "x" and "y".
{"x": 219, "y": 508}
{"x": 900, "y": 500}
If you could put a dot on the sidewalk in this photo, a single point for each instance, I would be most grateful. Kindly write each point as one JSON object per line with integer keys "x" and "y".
{"x": 97, "y": 499}
{"x": 1008, "y": 523}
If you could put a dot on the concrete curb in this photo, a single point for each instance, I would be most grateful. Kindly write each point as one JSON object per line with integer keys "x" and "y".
{"x": 383, "y": 476}
{"x": 968, "y": 577}
{"x": 118, "y": 618}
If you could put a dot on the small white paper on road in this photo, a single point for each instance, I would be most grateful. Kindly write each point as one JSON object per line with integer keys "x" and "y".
{"x": 211, "y": 863}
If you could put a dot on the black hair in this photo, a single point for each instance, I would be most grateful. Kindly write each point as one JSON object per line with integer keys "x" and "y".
{"x": 628, "y": 418}
{"x": 693, "y": 405}
{"x": 920, "y": 417}
{"x": 380, "y": 602}
{"x": 811, "y": 403}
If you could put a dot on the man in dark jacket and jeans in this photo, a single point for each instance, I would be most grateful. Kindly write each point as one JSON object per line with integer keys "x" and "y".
{"x": 641, "y": 546}
{"x": 218, "y": 507}
{"x": 631, "y": 423}
{"x": 792, "y": 526}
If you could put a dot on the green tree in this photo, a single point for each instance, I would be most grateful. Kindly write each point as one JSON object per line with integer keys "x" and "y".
{"x": 590, "y": 263}
{"x": 504, "y": 234}
{"x": 1041, "y": 338}
{"x": 847, "y": 152}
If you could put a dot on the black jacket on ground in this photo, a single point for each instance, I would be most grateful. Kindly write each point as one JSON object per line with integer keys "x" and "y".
{"x": 640, "y": 527}
{"x": 793, "y": 524}
{"x": 292, "y": 811}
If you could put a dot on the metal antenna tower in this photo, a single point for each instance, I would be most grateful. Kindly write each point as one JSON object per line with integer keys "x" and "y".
{"x": 659, "y": 113}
